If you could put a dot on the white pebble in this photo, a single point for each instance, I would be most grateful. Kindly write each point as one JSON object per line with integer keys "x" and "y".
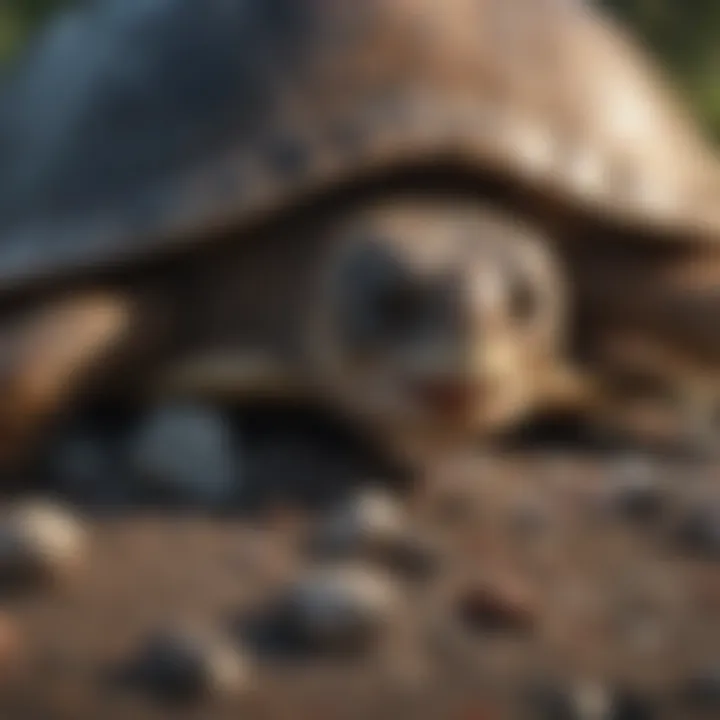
{"x": 41, "y": 541}
{"x": 343, "y": 606}
{"x": 370, "y": 520}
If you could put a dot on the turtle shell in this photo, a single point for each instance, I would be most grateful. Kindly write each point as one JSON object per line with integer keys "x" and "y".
{"x": 134, "y": 128}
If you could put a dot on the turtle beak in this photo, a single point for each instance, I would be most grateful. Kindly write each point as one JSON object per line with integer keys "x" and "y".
{"x": 473, "y": 373}
{"x": 472, "y": 391}
{"x": 443, "y": 384}
{"x": 447, "y": 397}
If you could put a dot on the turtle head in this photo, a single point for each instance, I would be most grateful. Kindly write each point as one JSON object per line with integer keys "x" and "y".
{"x": 437, "y": 314}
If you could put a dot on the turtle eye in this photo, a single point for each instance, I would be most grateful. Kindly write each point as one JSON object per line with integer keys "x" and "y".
{"x": 378, "y": 300}
{"x": 396, "y": 307}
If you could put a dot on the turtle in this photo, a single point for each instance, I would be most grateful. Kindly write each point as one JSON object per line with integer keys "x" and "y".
{"x": 193, "y": 190}
{"x": 421, "y": 321}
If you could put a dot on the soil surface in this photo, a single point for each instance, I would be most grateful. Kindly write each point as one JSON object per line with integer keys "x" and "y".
{"x": 544, "y": 584}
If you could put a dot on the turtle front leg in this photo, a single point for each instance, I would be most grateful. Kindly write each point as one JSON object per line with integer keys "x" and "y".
{"x": 649, "y": 393}
{"x": 44, "y": 358}
{"x": 689, "y": 423}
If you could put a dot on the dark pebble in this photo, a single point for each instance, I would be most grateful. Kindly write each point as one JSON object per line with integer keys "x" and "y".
{"x": 699, "y": 532}
{"x": 702, "y": 691}
{"x": 632, "y": 705}
{"x": 496, "y": 606}
{"x": 185, "y": 666}
{"x": 641, "y": 501}
{"x": 550, "y": 701}
{"x": 414, "y": 557}
{"x": 373, "y": 525}
{"x": 343, "y": 608}
{"x": 557, "y": 700}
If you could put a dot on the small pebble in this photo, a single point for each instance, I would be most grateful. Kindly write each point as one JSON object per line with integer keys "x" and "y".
{"x": 554, "y": 700}
{"x": 636, "y": 494}
{"x": 592, "y": 701}
{"x": 632, "y": 705}
{"x": 186, "y": 453}
{"x": 496, "y": 605}
{"x": 39, "y": 542}
{"x": 589, "y": 700}
{"x": 188, "y": 664}
{"x": 345, "y": 607}
{"x": 702, "y": 691}
{"x": 699, "y": 531}
{"x": 370, "y": 520}
{"x": 374, "y": 526}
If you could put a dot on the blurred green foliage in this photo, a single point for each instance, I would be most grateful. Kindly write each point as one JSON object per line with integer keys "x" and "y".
{"x": 685, "y": 34}
{"x": 18, "y": 18}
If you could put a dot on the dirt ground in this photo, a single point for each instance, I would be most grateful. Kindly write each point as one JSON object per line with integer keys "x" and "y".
{"x": 546, "y": 578}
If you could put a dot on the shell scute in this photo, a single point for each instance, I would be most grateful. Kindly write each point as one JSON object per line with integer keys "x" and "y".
{"x": 238, "y": 107}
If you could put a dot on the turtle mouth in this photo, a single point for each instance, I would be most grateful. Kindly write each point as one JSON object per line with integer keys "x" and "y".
{"x": 447, "y": 398}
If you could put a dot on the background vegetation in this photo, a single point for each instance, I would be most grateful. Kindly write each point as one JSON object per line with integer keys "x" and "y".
{"x": 18, "y": 18}
{"x": 684, "y": 34}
